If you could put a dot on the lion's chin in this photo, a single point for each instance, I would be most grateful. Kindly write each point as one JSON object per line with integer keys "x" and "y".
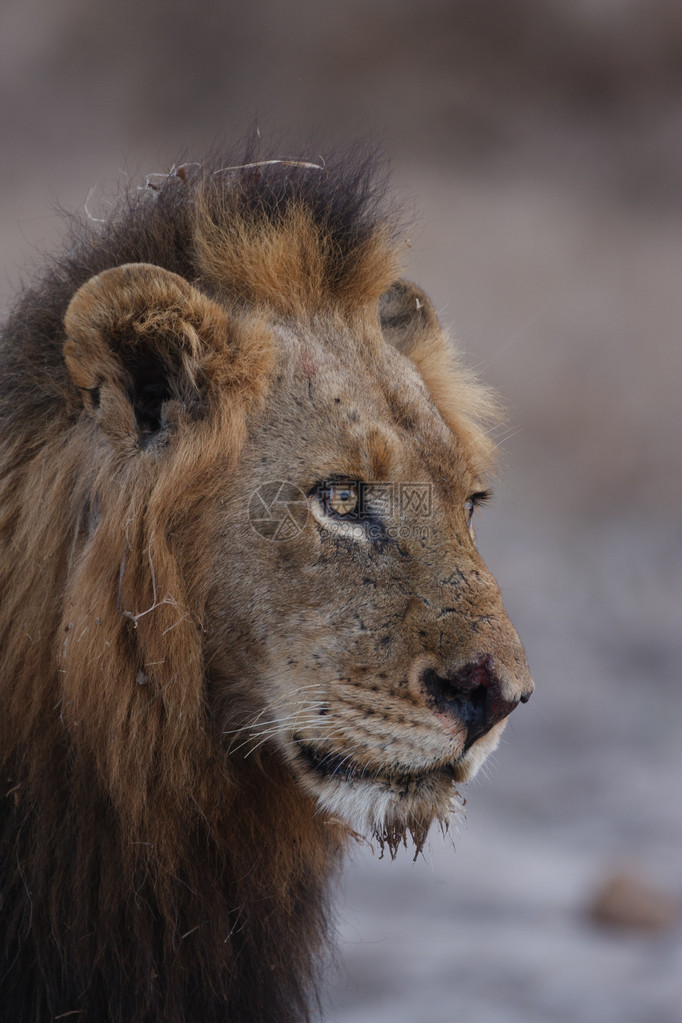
{"x": 387, "y": 805}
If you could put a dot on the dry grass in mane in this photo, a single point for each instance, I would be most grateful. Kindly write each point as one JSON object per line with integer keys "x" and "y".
{"x": 193, "y": 869}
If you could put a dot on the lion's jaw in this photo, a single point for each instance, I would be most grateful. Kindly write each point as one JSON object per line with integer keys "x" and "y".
{"x": 343, "y": 652}
{"x": 380, "y": 795}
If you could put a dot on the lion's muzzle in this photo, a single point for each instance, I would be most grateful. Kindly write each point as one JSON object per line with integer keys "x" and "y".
{"x": 473, "y": 697}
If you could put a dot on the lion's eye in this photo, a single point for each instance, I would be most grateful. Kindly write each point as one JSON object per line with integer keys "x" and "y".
{"x": 472, "y": 503}
{"x": 342, "y": 498}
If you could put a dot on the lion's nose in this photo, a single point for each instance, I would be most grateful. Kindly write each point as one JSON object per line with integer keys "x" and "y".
{"x": 472, "y": 696}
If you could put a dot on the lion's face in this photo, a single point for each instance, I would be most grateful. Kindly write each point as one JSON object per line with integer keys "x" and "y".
{"x": 370, "y": 633}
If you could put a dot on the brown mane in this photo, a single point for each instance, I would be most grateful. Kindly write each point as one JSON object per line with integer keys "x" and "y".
{"x": 192, "y": 874}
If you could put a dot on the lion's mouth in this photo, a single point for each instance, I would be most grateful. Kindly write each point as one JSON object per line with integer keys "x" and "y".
{"x": 340, "y": 766}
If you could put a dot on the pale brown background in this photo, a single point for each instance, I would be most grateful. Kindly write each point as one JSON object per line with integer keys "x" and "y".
{"x": 539, "y": 144}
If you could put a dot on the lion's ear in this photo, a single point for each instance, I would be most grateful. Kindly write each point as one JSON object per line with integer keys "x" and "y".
{"x": 138, "y": 341}
{"x": 407, "y": 317}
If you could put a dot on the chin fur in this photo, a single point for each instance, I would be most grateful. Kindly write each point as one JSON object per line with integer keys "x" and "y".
{"x": 386, "y": 807}
{"x": 392, "y": 805}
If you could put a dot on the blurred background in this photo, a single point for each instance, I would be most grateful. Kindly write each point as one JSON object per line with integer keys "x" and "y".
{"x": 537, "y": 146}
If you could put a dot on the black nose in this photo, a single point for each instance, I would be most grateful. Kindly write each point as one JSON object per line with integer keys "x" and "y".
{"x": 471, "y": 695}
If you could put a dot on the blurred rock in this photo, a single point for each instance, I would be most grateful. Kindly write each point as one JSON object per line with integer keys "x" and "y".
{"x": 625, "y": 901}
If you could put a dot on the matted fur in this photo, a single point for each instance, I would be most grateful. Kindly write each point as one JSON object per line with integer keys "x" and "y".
{"x": 152, "y": 869}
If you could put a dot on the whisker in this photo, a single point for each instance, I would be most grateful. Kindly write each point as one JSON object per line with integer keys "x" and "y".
{"x": 310, "y": 718}
{"x": 270, "y": 707}
{"x": 265, "y": 734}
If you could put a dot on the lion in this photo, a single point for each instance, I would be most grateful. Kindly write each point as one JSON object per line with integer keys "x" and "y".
{"x": 243, "y": 615}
